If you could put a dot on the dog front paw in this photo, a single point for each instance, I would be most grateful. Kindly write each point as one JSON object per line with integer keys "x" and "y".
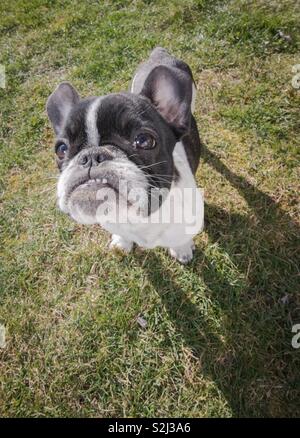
{"x": 119, "y": 243}
{"x": 183, "y": 254}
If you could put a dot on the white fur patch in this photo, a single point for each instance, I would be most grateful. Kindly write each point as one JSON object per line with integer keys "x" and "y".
{"x": 194, "y": 93}
{"x": 61, "y": 187}
{"x": 91, "y": 123}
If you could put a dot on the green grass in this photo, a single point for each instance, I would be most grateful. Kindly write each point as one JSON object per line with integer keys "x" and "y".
{"x": 218, "y": 335}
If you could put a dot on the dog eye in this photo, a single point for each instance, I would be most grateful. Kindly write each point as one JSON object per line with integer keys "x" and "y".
{"x": 61, "y": 150}
{"x": 144, "y": 141}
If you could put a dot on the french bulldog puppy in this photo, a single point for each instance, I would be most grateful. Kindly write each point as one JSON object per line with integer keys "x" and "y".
{"x": 128, "y": 160}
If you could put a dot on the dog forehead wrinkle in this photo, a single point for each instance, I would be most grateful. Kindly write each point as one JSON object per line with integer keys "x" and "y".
{"x": 124, "y": 113}
{"x": 123, "y": 110}
{"x": 91, "y": 122}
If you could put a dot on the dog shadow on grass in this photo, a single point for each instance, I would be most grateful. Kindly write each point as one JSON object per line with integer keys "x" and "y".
{"x": 253, "y": 364}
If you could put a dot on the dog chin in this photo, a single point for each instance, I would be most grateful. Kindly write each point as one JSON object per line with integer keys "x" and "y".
{"x": 93, "y": 204}
{"x": 85, "y": 200}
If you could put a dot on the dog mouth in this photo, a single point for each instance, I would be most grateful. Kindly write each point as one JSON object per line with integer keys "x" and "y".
{"x": 92, "y": 192}
{"x": 92, "y": 185}
{"x": 118, "y": 188}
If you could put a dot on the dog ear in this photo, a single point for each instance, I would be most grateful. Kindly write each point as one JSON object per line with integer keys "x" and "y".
{"x": 170, "y": 91}
{"x": 60, "y": 103}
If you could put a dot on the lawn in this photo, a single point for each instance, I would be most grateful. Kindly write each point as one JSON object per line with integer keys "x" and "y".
{"x": 219, "y": 331}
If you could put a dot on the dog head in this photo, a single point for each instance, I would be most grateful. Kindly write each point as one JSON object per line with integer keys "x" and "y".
{"x": 116, "y": 149}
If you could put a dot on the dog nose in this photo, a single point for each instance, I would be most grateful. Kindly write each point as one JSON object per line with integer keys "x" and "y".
{"x": 91, "y": 158}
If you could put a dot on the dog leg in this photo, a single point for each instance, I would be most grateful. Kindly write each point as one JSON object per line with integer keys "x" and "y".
{"x": 118, "y": 242}
{"x": 183, "y": 254}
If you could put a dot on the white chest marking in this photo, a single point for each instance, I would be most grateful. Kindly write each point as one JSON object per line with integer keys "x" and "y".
{"x": 170, "y": 233}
